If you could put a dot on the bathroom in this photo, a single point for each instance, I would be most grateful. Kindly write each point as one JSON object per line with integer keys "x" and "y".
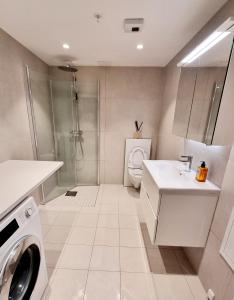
{"x": 73, "y": 82}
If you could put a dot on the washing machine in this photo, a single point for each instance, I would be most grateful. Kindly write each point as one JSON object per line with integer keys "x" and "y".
{"x": 23, "y": 273}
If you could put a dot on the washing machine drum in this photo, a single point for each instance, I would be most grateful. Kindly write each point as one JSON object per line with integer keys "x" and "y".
{"x": 136, "y": 157}
{"x": 19, "y": 274}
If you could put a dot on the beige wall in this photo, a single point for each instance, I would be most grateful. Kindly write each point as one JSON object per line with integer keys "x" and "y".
{"x": 130, "y": 94}
{"x": 126, "y": 94}
{"x": 212, "y": 269}
{"x": 15, "y": 140}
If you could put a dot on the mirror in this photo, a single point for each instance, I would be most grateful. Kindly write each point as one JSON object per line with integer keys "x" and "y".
{"x": 200, "y": 91}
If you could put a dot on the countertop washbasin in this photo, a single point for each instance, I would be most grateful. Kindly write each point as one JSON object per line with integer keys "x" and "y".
{"x": 170, "y": 175}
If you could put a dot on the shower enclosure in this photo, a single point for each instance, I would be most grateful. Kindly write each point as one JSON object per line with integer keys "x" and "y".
{"x": 64, "y": 118}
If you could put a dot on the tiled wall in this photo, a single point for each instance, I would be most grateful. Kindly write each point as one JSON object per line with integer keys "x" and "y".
{"x": 130, "y": 94}
{"x": 15, "y": 137}
{"x": 126, "y": 94}
{"x": 212, "y": 269}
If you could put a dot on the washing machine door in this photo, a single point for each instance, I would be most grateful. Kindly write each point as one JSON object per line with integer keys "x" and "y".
{"x": 20, "y": 270}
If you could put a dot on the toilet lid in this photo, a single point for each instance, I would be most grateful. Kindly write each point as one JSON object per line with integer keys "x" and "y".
{"x": 136, "y": 157}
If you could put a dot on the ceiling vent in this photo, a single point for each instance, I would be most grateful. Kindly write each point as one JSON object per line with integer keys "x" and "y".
{"x": 133, "y": 25}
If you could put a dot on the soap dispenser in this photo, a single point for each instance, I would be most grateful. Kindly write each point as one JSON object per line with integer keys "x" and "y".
{"x": 202, "y": 172}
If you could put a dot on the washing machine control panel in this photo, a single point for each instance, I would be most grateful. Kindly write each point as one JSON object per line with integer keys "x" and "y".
{"x": 16, "y": 221}
{"x": 25, "y": 214}
{"x": 28, "y": 212}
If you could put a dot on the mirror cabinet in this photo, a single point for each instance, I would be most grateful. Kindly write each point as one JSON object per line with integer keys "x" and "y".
{"x": 205, "y": 97}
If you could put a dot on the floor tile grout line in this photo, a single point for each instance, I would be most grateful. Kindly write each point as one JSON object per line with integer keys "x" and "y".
{"x": 101, "y": 245}
{"x": 155, "y": 287}
{"x": 103, "y": 270}
{"x": 85, "y": 287}
{"x": 190, "y": 289}
{"x": 120, "y": 269}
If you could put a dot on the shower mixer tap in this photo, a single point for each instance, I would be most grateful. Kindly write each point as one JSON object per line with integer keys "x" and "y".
{"x": 76, "y": 99}
{"x": 76, "y": 132}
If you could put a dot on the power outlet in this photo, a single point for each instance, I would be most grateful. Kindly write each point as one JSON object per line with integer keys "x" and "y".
{"x": 210, "y": 294}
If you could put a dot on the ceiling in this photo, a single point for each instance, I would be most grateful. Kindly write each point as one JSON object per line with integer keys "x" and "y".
{"x": 44, "y": 25}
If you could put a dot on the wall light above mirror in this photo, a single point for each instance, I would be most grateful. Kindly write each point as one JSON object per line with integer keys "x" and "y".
{"x": 214, "y": 38}
{"x": 203, "y": 76}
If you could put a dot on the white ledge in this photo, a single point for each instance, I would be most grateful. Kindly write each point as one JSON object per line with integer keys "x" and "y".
{"x": 18, "y": 179}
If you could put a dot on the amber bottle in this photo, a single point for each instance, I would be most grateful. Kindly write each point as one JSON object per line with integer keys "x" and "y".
{"x": 202, "y": 172}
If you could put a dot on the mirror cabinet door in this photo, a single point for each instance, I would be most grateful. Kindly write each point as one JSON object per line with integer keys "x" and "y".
{"x": 204, "y": 92}
{"x": 224, "y": 133}
{"x": 184, "y": 101}
{"x": 200, "y": 90}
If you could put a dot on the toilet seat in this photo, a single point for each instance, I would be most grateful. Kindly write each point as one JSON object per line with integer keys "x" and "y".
{"x": 136, "y": 157}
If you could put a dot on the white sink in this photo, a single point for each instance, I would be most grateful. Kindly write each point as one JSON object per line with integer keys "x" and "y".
{"x": 171, "y": 175}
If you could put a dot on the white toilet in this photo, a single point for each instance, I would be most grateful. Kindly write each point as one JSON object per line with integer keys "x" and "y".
{"x": 136, "y": 157}
{"x": 136, "y": 150}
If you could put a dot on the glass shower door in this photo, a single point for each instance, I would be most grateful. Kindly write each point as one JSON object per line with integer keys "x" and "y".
{"x": 41, "y": 124}
{"x": 65, "y": 128}
{"x": 65, "y": 140}
{"x": 87, "y": 163}
{"x": 76, "y": 123}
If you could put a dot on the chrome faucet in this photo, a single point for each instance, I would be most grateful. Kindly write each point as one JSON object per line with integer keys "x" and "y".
{"x": 189, "y": 160}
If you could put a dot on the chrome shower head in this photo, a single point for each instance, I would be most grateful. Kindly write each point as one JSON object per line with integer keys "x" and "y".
{"x": 68, "y": 68}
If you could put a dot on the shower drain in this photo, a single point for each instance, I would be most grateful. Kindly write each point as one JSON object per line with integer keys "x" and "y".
{"x": 71, "y": 193}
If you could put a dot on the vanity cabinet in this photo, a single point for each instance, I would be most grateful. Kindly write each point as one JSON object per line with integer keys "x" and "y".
{"x": 204, "y": 104}
{"x": 176, "y": 217}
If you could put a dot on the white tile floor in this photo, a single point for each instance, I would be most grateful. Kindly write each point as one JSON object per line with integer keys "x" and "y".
{"x": 95, "y": 250}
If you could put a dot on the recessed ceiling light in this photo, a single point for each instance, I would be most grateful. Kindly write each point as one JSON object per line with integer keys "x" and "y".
{"x": 66, "y": 46}
{"x": 140, "y": 46}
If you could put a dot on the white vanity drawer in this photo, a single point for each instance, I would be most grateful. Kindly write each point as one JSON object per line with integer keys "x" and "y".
{"x": 150, "y": 218}
{"x": 152, "y": 190}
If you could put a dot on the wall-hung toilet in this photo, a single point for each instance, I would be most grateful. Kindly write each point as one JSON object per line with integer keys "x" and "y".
{"x": 136, "y": 151}
{"x": 136, "y": 157}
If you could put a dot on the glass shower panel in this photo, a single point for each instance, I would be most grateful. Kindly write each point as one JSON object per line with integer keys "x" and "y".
{"x": 65, "y": 127}
{"x": 63, "y": 117}
{"x": 88, "y": 107}
{"x": 42, "y": 122}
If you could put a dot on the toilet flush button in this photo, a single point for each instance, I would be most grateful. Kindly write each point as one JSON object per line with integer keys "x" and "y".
{"x": 28, "y": 212}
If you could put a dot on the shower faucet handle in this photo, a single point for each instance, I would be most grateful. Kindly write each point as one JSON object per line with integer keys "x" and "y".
{"x": 76, "y": 132}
